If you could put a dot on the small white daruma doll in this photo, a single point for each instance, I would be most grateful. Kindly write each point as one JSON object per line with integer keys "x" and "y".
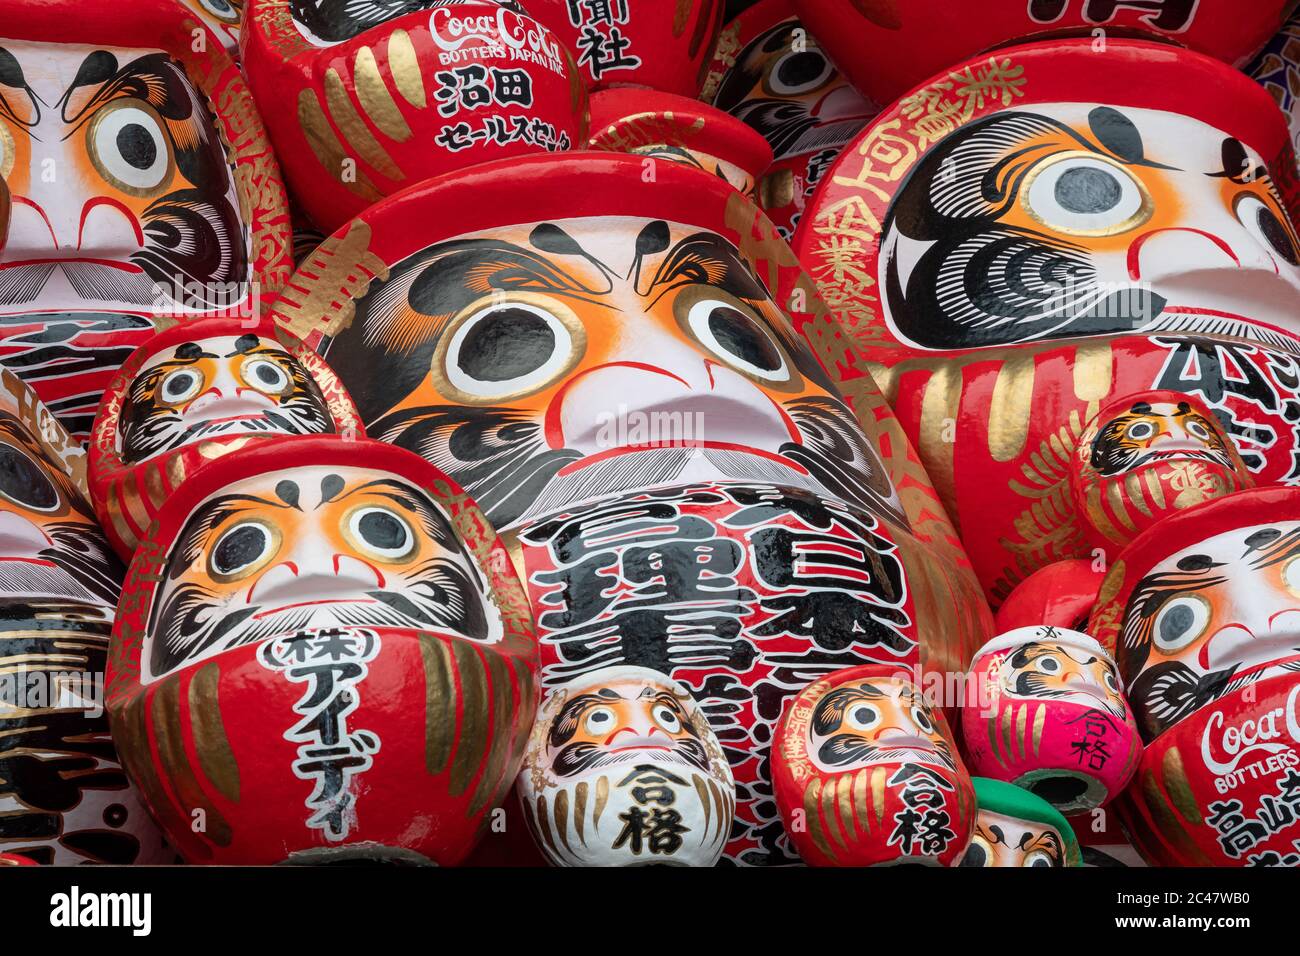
{"x": 1051, "y": 716}
{"x": 622, "y": 769}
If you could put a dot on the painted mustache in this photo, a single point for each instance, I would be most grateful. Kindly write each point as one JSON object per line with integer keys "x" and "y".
{"x": 166, "y": 431}
{"x": 576, "y": 758}
{"x": 845, "y": 749}
{"x": 194, "y": 622}
{"x": 500, "y": 457}
{"x": 74, "y": 567}
{"x": 1033, "y": 684}
{"x": 190, "y": 241}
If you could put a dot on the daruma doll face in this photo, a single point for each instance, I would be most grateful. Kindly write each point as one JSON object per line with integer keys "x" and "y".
{"x": 623, "y": 770}
{"x": 344, "y": 645}
{"x": 1052, "y": 718}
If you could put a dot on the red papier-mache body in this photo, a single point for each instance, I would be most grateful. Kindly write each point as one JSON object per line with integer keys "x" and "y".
{"x": 371, "y": 731}
{"x": 661, "y": 44}
{"x": 359, "y": 110}
{"x": 852, "y": 796}
{"x": 132, "y": 477}
{"x": 670, "y": 504}
{"x": 167, "y": 205}
{"x": 910, "y": 39}
{"x": 1201, "y": 611}
{"x": 1173, "y": 283}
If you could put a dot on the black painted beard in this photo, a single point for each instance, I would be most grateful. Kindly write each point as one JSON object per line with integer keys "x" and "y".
{"x": 81, "y": 569}
{"x": 844, "y": 749}
{"x": 579, "y": 757}
{"x": 191, "y": 623}
{"x": 1117, "y": 460}
{"x": 499, "y": 456}
{"x": 1164, "y": 694}
{"x": 1030, "y": 683}
{"x": 191, "y": 241}
{"x": 790, "y": 129}
{"x": 164, "y": 431}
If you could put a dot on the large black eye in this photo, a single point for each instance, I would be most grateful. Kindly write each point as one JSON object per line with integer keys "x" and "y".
{"x": 1180, "y": 621}
{"x": 381, "y": 533}
{"x": 265, "y": 376}
{"x": 797, "y": 73}
{"x": 510, "y": 349}
{"x": 24, "y": 482}
{"x": 862, "y": 717}
{"x": 1262, "y": 223}
{"x": 1086, "y": 195}
{"x": 738, "y": 339}
{"x": 242, "y": 549}
{"x": 128, "y": 147}
{"x": 181, "y": 385}
{"x": 1141, "y": 430}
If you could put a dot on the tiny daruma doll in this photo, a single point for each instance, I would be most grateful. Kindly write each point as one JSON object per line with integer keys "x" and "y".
{"x": 1051, "y": 717}
{"x": 867, "y": 773}
{"x": 1016, "y": 828}
{"x": 322, "y": 653}
{"x": 623, "y": 769}
{"x": 193, "y": 393}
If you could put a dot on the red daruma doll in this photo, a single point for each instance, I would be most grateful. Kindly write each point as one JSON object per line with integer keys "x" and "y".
{"x": 867, "y": 773}
{"x": 193, "y": 393}
{"x": 1204, "y": 613}
{"x": 322, "y": 654}
{"x": 1051, "y": 717}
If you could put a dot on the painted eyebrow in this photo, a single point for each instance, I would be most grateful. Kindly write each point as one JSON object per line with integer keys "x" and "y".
{"x": 689, "y": 261}
{"x": 998, "y": 836}
{"x": 392, "y": 490}
{"x": 1277, "y": 550}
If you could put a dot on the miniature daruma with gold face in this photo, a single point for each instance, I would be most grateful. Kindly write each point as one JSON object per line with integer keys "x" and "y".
{"x": 867, "y": 773}
{"x": 1051, "y": 717}
{"x": 1204, "y": 613}
{"x": 193, "y": 393}
{"x": 331, "y": 628}
{"x": 623, "y": 770}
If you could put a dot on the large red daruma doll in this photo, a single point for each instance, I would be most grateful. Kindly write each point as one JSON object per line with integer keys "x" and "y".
{"x": 361, "y": 103}
{"x": 601, "y": 362}
{"x": 1203, "y": 611}
{"x": 322, "y": 653}
{"x": 193, "y": 393}
{"x": 1135, "y": 240}
{"x": 910, "y": 39}
{"x": 867, "y": 773}
{"x": 165, "y": 200}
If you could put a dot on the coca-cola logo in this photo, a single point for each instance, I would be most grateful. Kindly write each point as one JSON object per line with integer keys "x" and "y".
{"x": 451, "y": 32}
{"x": 1224, "y": 746}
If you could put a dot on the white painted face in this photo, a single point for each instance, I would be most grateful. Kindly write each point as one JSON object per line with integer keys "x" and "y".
{"x": 312, "y": 547}
{"x": 596, "y": 356}
{"x": 218, "y": 387}
{"x": 875, "y": 721}
{"x": 1113, "y": 219}
{"x": 122, "y": 192}
{"x": 1222, "y": 611}
{"x": 622, "y": 769}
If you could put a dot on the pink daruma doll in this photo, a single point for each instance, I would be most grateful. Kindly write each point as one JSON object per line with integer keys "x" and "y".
{"x": 1051, "y": 717}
